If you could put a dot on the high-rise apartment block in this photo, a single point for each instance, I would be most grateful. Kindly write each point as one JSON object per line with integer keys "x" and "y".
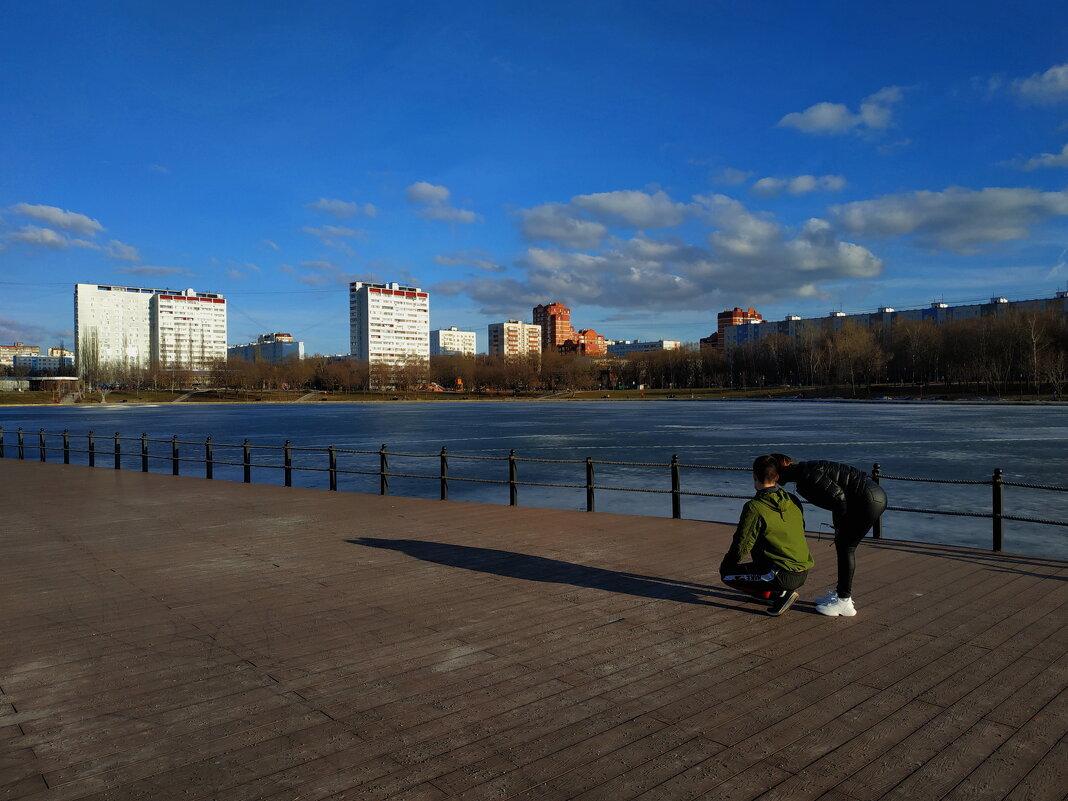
{"x": 140, "y": 327}
{"x": 514, "y": 340}
{"x": 389, "y": 324}
{"x": 273, "y": 348}
{"x": 188, "y": 329}
{"x": 452, "y": 342}
{"x": 555, "y": 321}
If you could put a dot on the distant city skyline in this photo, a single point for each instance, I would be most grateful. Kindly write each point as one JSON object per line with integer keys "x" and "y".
{"x": 647, "y": 165}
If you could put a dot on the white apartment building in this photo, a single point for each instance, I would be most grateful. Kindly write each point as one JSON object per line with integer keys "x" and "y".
{"x": 625, "y": 346}
{"x": 452, "y": 342}
{"x": 389, "y": 324}
{"x": 124, "y": 325}
{"x": 514, "y": 339}
{"x": 188, "y": 329}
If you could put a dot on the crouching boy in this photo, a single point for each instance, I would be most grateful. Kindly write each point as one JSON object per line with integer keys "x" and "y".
{"x": 771, "y": 530}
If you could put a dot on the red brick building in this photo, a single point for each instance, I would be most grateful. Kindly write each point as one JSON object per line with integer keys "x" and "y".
{"x": 558, "y": 334}
{"x": 735, "y": 316}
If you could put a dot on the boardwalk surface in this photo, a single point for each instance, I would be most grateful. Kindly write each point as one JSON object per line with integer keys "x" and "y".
{"x": 166, "y": 638}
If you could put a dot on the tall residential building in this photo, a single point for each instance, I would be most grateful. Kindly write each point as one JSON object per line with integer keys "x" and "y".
{"x": 139, "y": 327}
{"x": 452, "y": 342}
{"x": 555, "y": 321}
{"x": 513, "y": 339}
{"x": 273, "y": 348}
{"x": 188, "y": 330}
{"x": 389, "y": 324}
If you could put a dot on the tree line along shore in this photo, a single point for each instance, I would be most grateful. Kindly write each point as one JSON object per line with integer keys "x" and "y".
{"x": 1021, "y": 356}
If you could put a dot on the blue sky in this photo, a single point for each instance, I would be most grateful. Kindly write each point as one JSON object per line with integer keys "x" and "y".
{"x": 648, "y": 164}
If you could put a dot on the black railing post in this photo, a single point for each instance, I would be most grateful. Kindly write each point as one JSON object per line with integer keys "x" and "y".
{"x": 289, "y": 464}
{"x": 383, "y": 471}
{"x": 66, "y": 446}
{"x": 877, "y": 529}
{"x": 246, "y": 461}
{"x": 22, "y": 445}
{"x": 174, "y": 454}
{"x": 513, "y": 478}
{"x": 144, "y": 452}
{"x": 333, "y": 468}
{"x": 92, "y": 450}
{"x": 41, "y": 450}
{"x": 1, "y": 442}
{"x": 209, "y": 458}
{"x": 590, "y": 501}
{"x": 998, "y": 490}
{"x": 444, "y": 473}
{"x": 118, "y": 451}
{"x": 676, "y": 489}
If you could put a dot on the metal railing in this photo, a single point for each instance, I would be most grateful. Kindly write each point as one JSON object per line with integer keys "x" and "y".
{"x": 175, "y": 458}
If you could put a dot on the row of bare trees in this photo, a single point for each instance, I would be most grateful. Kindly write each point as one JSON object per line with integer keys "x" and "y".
{"x": 1022, "y": 352}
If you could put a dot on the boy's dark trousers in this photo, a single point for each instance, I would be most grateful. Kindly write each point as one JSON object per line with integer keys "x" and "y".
{"x": 759, "y": 579}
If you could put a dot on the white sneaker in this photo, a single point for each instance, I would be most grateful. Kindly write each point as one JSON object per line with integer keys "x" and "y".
{"x": 830, "y": 595}
{"x": 838, "y": 606}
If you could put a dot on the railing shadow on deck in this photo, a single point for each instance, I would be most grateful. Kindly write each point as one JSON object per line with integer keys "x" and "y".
{"x": 554, "y": 571}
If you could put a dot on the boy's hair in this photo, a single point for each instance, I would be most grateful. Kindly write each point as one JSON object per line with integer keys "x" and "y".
{"x": 781, "y": 460}
{"x": 765, "y": 469}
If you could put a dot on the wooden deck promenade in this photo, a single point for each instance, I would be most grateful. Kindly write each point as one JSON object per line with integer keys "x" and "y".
{"x": 174, "y": 638}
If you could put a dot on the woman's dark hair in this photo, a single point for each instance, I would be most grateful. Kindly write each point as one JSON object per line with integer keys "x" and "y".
{"x": 765, "y": 469}
{"x": 781, "y": 460}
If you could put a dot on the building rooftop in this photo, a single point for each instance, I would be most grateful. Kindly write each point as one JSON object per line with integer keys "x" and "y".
{"x": 169, "y": 636}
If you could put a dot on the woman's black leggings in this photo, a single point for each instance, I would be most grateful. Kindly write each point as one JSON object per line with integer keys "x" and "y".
{"x": 863, "y": 511}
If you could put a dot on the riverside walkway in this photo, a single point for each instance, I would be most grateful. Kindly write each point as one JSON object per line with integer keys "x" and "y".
{"x": 170, "y": 637}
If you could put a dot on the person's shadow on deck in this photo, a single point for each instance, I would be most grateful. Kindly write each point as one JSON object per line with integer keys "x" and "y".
{"x": 555, "y": 571}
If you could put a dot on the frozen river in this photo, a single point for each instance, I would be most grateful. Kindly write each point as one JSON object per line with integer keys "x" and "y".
{"x": 924, "y": 440}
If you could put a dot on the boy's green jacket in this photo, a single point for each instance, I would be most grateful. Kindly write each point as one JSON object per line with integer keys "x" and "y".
{"x": 772, "y": 528}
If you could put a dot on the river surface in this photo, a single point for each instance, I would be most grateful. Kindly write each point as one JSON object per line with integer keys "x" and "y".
{"x": 922, "y": 440}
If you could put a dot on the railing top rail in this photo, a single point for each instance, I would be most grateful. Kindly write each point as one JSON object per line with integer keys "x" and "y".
{"x": 882, "y": 477}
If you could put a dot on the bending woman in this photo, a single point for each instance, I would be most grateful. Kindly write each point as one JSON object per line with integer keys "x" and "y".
{"x": 855, "y": 502}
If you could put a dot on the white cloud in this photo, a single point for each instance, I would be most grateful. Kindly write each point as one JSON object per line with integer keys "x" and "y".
{"x": 342, "y": 208}
{"x": 746, "y": 256}
{"x": 768, "y": 187}
{"x": 799, "y": 185}
{"x": 153, "y": 270}
{"x": 469, "y": 258}
{"x": 875, "y": 114}
{"x": 121, "y": 251}
{"x": 730, "y": 176}
{"x": 237, "y": 275}
{"x": 557, "y": 222}
{"x": 58, "y": 218}
{"x": 956, "y": 218}
{"x": 423, "y": 192}
{"x": 1048, "y": 160}
{"x": 434, "y": 200}
{"x": 448, "y": 214}
{"x": 1050, "y": 86}
{"x": 272, "y": 245}
{"x": 632, "y": 208}
{"x": 46, "y": 237}
{"x": 332, "y": 231}
{"x": 159, "y": 168}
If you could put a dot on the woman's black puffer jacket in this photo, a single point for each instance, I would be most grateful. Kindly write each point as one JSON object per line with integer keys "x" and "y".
{"x": 828, "y": 485}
